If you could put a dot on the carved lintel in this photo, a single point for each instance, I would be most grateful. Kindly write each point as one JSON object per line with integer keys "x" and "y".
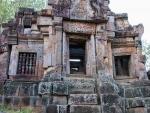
{"x": 79, "y": 27}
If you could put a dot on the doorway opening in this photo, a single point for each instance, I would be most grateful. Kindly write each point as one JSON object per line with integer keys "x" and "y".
{"x": 122, "y": 65}
{"x": 77, "y": 56}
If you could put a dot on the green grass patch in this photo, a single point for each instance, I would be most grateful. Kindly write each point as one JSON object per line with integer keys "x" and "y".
{"x": 7, "y": 109}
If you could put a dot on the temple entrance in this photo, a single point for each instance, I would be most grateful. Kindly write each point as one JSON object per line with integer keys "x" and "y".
{"x": 77, "y": 56}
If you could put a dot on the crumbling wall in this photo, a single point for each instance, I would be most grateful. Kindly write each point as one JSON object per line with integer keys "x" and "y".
{"x": 111, "y": 94}
{"x": 3, "y": 66}
{"x": 129, "y": 98}
{"x": 3, "y": 58}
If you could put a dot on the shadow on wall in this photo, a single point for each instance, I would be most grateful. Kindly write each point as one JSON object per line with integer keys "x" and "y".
{"x": 148, "y": 74}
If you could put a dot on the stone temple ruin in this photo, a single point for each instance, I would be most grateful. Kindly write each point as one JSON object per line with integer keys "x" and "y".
{"x": 75, "y": 56}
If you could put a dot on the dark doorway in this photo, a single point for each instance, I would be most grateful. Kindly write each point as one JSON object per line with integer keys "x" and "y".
{"x": 122, "y": 65}
{"x": 77, "y": 56}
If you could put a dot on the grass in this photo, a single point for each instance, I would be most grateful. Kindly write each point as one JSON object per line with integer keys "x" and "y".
{"x": 7, "y": 109}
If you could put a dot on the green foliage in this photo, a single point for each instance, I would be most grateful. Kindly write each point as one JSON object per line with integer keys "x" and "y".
{"x": 146, "y": 52}
{"x": 7, "y": 109}
{"x": 4, "y": 11}
{"x": 9, "y": 7}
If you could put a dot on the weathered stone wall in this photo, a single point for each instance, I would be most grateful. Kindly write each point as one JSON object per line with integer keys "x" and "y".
{"x": 55, "y": 90}
{"x": 79, "y": 95}
{"x": 131, "y": 98}
{"x": 3, "y": 66}
{"x": 27, "y": 46}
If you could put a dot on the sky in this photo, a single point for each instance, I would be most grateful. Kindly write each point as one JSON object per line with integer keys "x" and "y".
{"x": 138, "y": 12}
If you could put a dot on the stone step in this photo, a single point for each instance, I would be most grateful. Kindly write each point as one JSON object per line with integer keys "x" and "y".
{"x": 83, "y": 99}
{"x": 78, "y": 85}
{"x": 79, "y": 75}
{"x": 85, "y": 109}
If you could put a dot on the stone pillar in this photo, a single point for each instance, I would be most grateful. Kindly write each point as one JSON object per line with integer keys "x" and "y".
{"x": 13, "y": 61}
{"x": 53, "y": 47}
{"x": 102, "y": 59}
{"x": 91, "y": 61}
{"x": 47, "y": 51}
{"x": 58, "y": 45}
{"x": 110, "y": 58}
{"x": 66, "y": 64}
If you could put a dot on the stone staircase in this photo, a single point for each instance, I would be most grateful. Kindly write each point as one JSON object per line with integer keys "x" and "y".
{"x": 54, "y": 94}
{"x": 80, "y": 92}
{"x": 82, "y": 95}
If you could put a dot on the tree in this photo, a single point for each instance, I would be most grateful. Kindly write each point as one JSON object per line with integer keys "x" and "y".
{"x": 5, "y": 14}
{"x": 9, "y": 7}
{"x": 146, "y": 52}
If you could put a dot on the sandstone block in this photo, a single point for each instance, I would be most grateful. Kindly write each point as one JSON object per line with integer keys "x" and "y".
{"x": 52, "y": 77}
{"x": 25, "y": 90}
{"x": 147, "y": 101}
{"x": 35, "y": 101}
{"x": 110, "y": 99}
{"x": 60, "y": 88}
{"x": 112, "y": 109}
{"x": 107, "y": 88}
{"x": 137, "y": 110}
{"x": 135, "y": 102}
{"x": 25, "y": 101}
{"x": 44, "y": 21}
{"x": 148, "y": 110}
{"x": 10, "y": 90}
{"x": 56, "y": 109}
{"x": 145, "y": 91}
{"x": 82, "y": 99}
{"x": 1, "y": 99}
{"x": 135, "y": 92}
{"x": 51, "y": 109}
{"x": 46, "y": 100}
{"x": 8, "y": 100}
{"x": 84, "y": 109}
{"x": 45, "y": 88}
{"x": 16, "y": 101}
{"x": 62, "y": 108}
{"x": 80, "y": 85}
{"x": 60, "y": 100}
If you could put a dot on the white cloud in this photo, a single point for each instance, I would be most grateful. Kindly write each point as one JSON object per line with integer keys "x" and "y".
{"x": 138, "y": 12}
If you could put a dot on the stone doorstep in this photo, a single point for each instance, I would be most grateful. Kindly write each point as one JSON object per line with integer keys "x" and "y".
{"x": 85, "y": 109}
{"x": 79, "y": 78}
{"x": 83, "y": 99}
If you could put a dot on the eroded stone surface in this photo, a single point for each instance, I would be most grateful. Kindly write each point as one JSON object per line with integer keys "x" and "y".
{"x": 45, "y": 88}
{"x": 60, "y": 88}
{"x": 44, "y": 77}
{"x": 77, "y": 85}
{"x": 83, "y": 99}
{"x": 84, "y": 109}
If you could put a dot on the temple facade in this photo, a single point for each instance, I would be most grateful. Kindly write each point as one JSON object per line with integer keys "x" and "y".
{"x": 75, "y": 38}
{"x": 77, "y": 52}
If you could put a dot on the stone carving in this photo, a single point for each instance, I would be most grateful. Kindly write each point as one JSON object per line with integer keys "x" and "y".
{"x": 78, "y": 27}
{"x": 77, "y": 9}
{"x": 96, "y": 6}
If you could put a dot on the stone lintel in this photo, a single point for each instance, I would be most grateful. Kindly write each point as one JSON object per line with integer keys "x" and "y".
{"x": 79, "y": 27}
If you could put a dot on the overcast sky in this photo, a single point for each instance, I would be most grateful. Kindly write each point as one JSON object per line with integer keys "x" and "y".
{"x": 138, "y": 12}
